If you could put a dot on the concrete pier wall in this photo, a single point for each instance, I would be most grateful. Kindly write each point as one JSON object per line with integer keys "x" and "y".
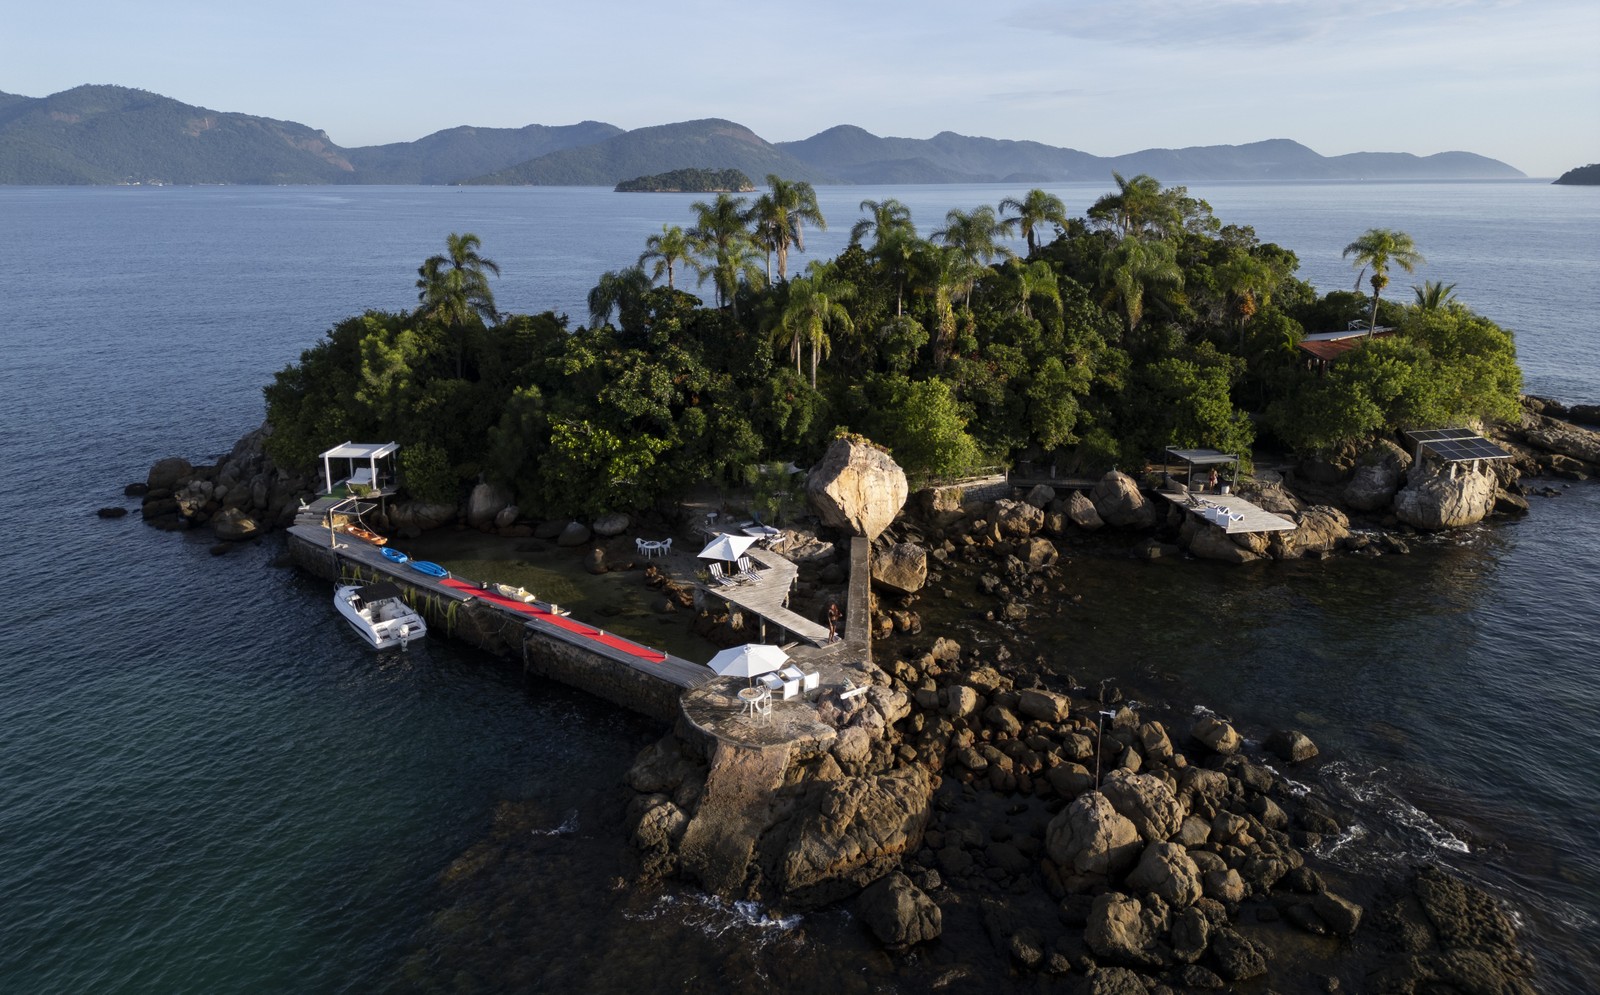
{"x": 550, "y": 653}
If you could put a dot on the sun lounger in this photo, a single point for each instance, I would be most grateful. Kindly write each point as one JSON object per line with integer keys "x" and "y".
{"x": 720, "y": 577}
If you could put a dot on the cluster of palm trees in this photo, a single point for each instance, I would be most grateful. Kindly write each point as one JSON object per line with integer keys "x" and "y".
{"x": 734, "y": 244}
{"x": 729, "y": 235}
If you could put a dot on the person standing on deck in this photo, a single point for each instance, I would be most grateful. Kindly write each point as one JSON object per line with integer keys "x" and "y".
{"x": 833, "y": 621}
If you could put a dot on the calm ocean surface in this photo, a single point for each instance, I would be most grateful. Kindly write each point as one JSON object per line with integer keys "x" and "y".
{"x": 209, "y": 786}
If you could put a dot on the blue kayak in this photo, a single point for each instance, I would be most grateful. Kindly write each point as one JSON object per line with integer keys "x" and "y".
{"x": 394, "y": 555}
{"x": 431, "y": 569}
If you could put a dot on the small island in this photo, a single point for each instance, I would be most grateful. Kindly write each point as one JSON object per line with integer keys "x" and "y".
{"x": 1107, "y": 371}
{"x": 1580, "y": 176}
{"x": 690, "y": 181}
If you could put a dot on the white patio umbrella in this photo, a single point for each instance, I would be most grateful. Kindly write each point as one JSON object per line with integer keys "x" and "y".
{"x": 727, "y": 547}
{"x": 750, "y": 660}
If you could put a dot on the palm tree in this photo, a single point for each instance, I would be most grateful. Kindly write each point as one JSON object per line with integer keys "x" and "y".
{"x": 453, "y": 288}
{"x": 812, "y": 310}
{"x": 1375, "y": 250}
{"x": 1139, "y": 206}
{"x": 976, "y": 235}
{"x": 894, "y": 241}
{"x": 948, "y": 275}
{"x": 1135, "y": 267}
{"x": 885, "y": 219}
{"x": 1434, "y": 295}
{"x": 1033, "y": 211}
{"x": 618, "y": 290}
{"x": 668, "y": 249}
{"x": 1033, "y": 280}
{"x": 778, "y": 219}
{"x": 719, "y": 236}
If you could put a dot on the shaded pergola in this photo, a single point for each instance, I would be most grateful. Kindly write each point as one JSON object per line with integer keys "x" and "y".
{"x": 360, "y": 462}
{"x": 1197, "y": 458}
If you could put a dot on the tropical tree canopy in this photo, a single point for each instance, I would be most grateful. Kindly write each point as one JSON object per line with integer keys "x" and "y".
{"x": 1032, "y": 213}
{"x": 1375, "y": 250}
{"x": 453, "y": 288}
{"x": 668, "y": 251}
{"x": 778, "y": 219}
{"x": 1142, "y": 324}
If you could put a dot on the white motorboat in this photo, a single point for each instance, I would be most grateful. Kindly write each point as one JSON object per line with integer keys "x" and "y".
{"x": 379, "y": 613}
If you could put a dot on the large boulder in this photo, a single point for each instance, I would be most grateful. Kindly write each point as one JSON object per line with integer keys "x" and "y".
{"x": 1216, "y": 735}
{"x": 902, "y": 567}
{"x": 1209, "y": 542}
{"x": 858, "y": 832}
{"x": 1266, "y": 491}
{"x": 1146, "y": 801}
{"x": 856, "y": 487}
{"x": 487, "y": 501}
{"x": 1090, "y": 837}
{"x": 1446, "y": 495}
{"x": 1082, "y": 512}
{"x": 898, "y": 912}
{"x": 1017, "y": 518}
{"x": 1565, "y": 439}
{"x": 1122, "y": 931}
{"x": 234, "y": 525}
{"x": 1118, "y": 500}
{"x": 166, "y": 474}
{"x": 1320, "y": 529}
{"x": 574, "y": 534}
{"x": 940, "y": 507}
{"x": 1377, "y": 476}
{"x": 610, "y": 525}
{"x": 1046, "y": 706}
{"x": 421, "y": 515}
{"x": 1166, "y": 871}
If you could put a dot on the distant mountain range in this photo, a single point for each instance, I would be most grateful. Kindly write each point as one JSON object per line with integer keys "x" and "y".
{"x": 112, "y": 134}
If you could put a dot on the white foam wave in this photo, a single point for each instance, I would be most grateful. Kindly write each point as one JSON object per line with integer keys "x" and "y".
{"x": 715, "y": 917}
{"x": 1392, "y": 810}
{"x": 568, "y": 826}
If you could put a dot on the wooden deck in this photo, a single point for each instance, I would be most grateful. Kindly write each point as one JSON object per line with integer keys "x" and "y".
{"x": 309, "y": 527}
{"x": 768, "y": 594}
{"x": 1241, "y": 515}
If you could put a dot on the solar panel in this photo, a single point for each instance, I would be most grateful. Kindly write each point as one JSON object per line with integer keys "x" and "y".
{"x": 1465, "y": 450}
{"x": 1442, "y": 434}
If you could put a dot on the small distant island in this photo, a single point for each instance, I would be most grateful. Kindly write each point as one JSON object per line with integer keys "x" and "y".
{"x": 690, "y": 181}
{"x": 1581, "y": 176}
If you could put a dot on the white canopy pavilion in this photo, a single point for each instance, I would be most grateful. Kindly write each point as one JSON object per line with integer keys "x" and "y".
{"x": 353, "y": 454}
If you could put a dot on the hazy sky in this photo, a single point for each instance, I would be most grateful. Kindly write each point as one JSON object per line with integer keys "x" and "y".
{"x": 1518, "y": 80}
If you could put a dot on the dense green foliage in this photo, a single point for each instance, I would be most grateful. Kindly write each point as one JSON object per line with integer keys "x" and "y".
{"x": 1146, "y": 323}
{"x": 690, "y": 181}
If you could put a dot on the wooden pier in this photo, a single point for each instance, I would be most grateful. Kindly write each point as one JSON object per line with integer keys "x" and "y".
{"x": 767, "y": 596}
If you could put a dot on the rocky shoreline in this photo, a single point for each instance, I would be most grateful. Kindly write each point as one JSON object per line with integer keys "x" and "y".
{"x": 971, "y": 834}
{"x": 987, "y": 819}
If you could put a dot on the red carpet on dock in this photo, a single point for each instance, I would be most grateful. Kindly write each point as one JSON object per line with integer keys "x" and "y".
{"x": 576, "y": 628}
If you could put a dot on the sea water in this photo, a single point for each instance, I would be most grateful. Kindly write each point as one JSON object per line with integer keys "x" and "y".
{"x": 210, "y": 786}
